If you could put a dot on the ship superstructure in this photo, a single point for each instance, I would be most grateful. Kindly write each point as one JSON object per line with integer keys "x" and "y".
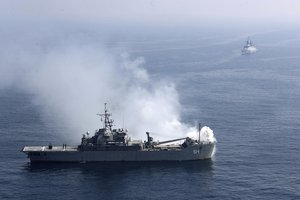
{"x": 108, "y": 144}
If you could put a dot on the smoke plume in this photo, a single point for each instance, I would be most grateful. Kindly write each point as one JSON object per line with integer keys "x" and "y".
{"x": 71, "y": 82}
{"x": 70, "y": 79}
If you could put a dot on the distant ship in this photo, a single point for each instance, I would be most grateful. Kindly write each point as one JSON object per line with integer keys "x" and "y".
{"x": 109, "y": 144}
{"x": 249, "y": 48}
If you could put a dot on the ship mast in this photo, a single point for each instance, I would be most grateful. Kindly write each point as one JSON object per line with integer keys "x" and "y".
{"x": 107, "y": 122}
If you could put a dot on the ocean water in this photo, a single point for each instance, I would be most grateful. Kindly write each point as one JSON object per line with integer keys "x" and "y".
{"x": 251, "y": 103}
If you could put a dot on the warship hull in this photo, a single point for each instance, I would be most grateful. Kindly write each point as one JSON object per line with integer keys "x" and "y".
{"x": 74, "y": 154}
{"x": 113, "y": 145}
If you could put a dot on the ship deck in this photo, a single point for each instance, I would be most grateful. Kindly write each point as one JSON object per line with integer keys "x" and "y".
{"x": 28, "y": 149}
{"x": 46, "y": 148}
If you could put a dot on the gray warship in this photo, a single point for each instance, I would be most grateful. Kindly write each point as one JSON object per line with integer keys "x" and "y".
{"x": 110, "y": 144}
{"x": 249, "y": 48}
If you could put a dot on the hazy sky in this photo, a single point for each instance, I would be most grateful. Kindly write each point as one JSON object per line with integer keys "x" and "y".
{"x": 155, "y": 11}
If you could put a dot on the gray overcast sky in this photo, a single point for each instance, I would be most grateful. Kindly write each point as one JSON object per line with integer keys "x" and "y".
{"x": 154, "y": 11}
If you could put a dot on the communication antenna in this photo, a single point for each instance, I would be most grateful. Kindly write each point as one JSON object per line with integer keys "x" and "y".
{"x": 123, "y": 120}
{"x": 199, "y": 131}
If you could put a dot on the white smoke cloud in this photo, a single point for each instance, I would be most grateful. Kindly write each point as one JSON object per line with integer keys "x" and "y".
{"x": 70, "y": 82}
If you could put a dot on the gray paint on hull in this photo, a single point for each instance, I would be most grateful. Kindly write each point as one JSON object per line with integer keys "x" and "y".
{"x": 194, "y": 152}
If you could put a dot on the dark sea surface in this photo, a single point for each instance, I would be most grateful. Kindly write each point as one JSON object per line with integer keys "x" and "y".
{"x": 251, "y": 103}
